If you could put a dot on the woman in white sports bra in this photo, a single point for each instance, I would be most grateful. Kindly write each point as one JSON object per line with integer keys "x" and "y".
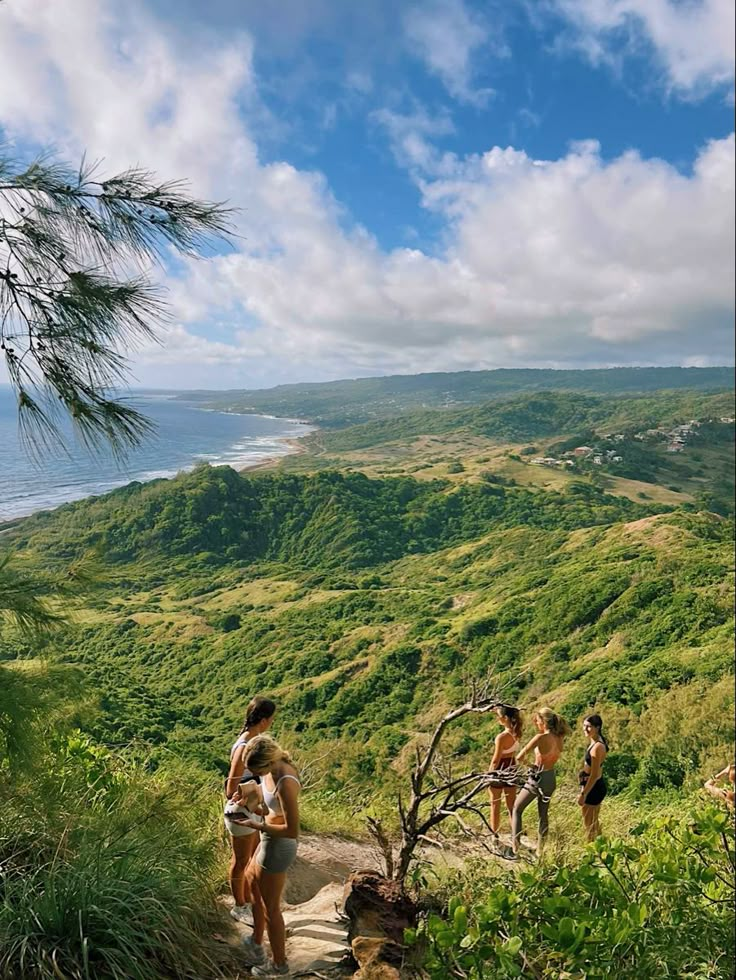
{"x": 258, "y": 719}
{"x": 505, "y": 748}
{"x": 275, "y": 855}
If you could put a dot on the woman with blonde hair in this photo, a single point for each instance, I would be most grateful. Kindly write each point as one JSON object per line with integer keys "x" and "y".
{"x": 275, "y": 855}
{"x": 547, "y": 745}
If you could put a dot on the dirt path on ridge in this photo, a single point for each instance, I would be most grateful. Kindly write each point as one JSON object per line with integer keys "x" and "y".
{"x": 316, "y": 930}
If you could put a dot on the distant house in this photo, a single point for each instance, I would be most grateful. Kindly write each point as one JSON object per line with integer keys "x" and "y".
{"x": 583, "y": 450}
{"x": 726, "y": 419}
{"x": 618, "y": 459}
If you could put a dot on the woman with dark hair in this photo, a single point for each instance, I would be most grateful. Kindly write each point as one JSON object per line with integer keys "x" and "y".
{"x": 592, "y": 784}
{"x": 258, "y": 718}
{"x": 547, "y": 745}
{"x": 505, "y": 748}
{"x": 275, "y": 855}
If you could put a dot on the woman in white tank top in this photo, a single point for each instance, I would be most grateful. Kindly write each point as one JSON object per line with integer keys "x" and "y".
{"x": 275, "y": 855}
{"x": 258, "y": 718}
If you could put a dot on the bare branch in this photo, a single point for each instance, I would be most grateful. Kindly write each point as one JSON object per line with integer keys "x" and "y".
{"x": 445, "y": 795}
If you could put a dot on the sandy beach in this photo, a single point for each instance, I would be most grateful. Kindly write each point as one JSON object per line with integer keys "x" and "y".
{"x": 295, "y": 448}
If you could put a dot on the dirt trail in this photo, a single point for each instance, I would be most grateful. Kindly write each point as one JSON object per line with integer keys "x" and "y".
{"x": 317, "y": 932}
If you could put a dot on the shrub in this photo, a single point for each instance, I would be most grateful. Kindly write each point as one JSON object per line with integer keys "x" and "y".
{"x": 106, "y": 872}
{"x": 612, "y": 913}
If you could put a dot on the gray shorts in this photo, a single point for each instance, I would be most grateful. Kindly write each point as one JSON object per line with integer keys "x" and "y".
{"x": 276, "y": 854}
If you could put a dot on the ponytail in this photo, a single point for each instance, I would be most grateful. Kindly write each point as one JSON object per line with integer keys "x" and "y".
{"x": 554, "y": 723}
{"x": 258, "y": 710}
{"x": 514, "y": 717}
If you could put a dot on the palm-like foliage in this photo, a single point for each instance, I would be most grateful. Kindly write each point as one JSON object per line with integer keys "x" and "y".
{"x": 31, "y": 599}
{"x": 75, "y": 296}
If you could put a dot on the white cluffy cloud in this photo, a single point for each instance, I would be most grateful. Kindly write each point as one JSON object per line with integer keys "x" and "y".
{"x": 447, "y": 38}
{"x": 577, "y": 260}
{"x": 693, "y": 39}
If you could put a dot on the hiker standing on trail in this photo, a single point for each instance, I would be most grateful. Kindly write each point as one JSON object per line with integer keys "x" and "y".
{"x": 275, "y": 855}
{"x": 592, "y": 784}
{"x": 258, "y": 718}
{"x": 547, "y": 745}
{"x": 717, "y": 792}
{"x": 505, "y": 748}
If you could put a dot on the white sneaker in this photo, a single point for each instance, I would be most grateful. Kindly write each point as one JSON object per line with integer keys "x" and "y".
{"x": 271, "y": 970}
{"x": 242, "y": 913}
{"x": 253, "y": 952}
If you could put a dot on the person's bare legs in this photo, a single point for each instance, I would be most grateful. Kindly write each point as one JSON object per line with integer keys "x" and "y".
{"x": 243, "y": 850}
{"x": 510, "y": 795}
{"x": 591, "y": 820}
{"x": 267, "y": 889}
{"x": 256, "y": 900}
{"x": 525, "y": 797}
{"x": 495, "y": 808}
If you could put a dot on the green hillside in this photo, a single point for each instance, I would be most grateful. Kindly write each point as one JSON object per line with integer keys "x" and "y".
{"x": 349, "y": 402}
{"x": 358, "y": 602}
{"x": 541, "y": 415}
{"x": 329, "y": 520}
{"x": 497, "y": 442}
{"x": 627, "y": 618}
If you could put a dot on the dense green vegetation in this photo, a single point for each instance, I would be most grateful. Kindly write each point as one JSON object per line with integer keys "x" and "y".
{"x": 527, "y": 417}
{"x": 330, "y": 520}
{"x": 362, "y": 606}
{"x": 659, "y": 903}
{"x": 619, "y": 615}
{"x": 105, "y": 870}
{"x": 705, "y": 469}
{"x": 339, "y": 403}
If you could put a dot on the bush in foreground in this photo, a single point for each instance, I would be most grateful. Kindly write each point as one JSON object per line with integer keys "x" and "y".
{"x": 106, "y": 872}
{"x": 659, "y": 903}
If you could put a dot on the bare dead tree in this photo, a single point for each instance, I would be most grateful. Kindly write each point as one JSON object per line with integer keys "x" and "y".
{"x": 436, "y": 793}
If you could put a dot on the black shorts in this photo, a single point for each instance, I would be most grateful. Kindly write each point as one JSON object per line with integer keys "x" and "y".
{"x": 597, "y": 794}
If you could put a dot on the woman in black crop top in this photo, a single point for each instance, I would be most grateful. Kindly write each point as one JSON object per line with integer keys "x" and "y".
{"x": 592, "y": 784}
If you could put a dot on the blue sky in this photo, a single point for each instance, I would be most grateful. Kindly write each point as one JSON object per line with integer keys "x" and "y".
{"x": 423, "y": 186}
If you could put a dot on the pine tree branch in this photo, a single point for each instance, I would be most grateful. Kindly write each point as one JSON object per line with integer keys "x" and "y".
{"x": 70, "y": 309}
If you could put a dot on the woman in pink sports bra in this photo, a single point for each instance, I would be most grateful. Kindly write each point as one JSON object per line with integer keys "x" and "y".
{"x": 547, "y": 745}
{"x": 505, "y": 748}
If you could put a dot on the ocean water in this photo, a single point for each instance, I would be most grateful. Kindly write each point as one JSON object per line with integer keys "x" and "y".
{"x": 185, "y": 436}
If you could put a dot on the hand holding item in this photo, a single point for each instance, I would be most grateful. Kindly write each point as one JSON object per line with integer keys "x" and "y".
{"x": 254, "y": 824}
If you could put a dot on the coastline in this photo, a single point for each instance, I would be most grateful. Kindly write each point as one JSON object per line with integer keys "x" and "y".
{"x": 68, "y": 491}
{"x": 295, "y": 449}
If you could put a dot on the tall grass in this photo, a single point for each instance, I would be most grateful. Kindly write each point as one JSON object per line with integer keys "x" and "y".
{"x": 107, "y": 872}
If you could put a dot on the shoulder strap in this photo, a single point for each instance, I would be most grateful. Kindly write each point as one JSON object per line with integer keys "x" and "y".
{"x": 286, "y": 776}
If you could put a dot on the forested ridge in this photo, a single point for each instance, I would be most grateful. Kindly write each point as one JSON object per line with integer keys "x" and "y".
{"x": 333, "y": 404}
{"x": 538, "y": 415}
{"x": 326, "y": 520}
